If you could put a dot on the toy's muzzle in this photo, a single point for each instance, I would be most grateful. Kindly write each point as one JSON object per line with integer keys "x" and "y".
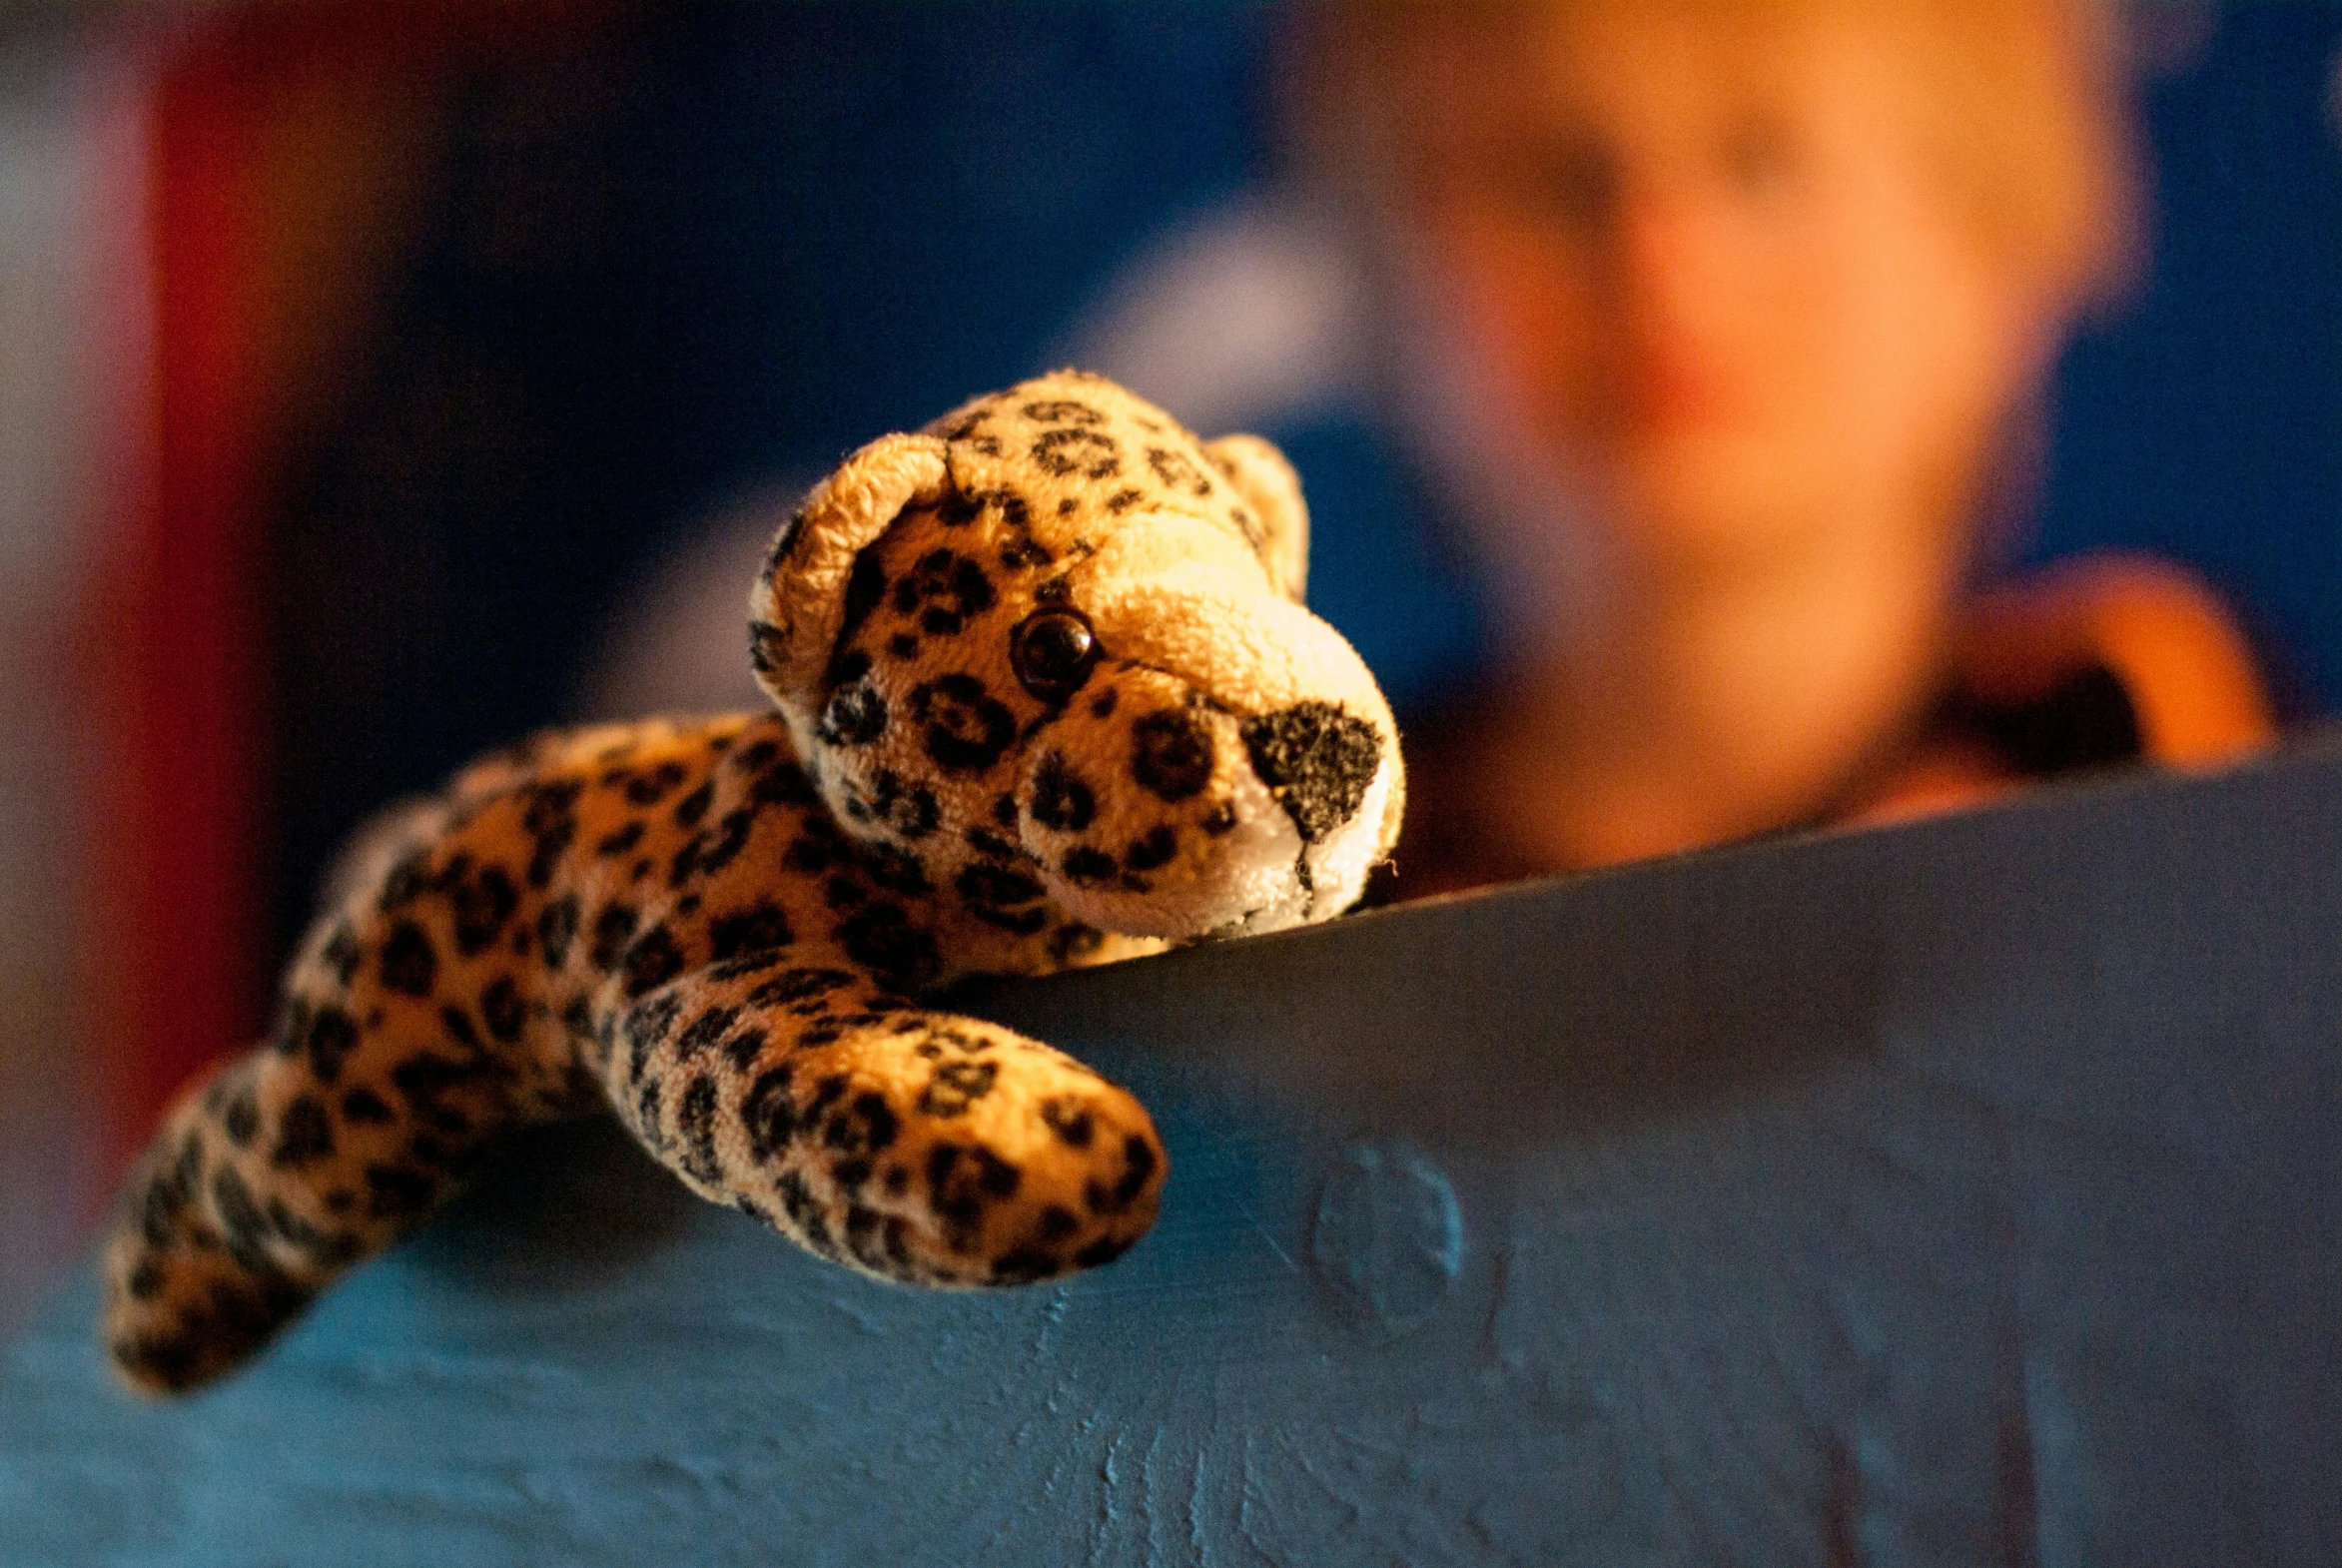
{"x": 1232, "y": 768}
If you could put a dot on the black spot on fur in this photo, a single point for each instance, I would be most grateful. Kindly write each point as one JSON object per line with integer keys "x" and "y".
{"x": 295, "y": 1033}
{"x": 695, "y": 1123}
{"x": 340, "y": 953}
{"x": 883, "y": 939}
{"x": 866, "y": 585}
{"x": 955, "y": 1086}
{"x": 410, "y": 965}
{"x": 612, "y": 845}
{"x": 652, "y": 961}
{"x": 305, "y": 1134}
{"x": 797, "y": 986}
{"x": 967, "y": 729}
{"x": 784, "y": 783}
{"x": 1317, "y": 760}
{"x": 1003, "y": 898}
{"x": 1172, "y": 754}
{"x": 1061, "y": 801}
{"x": 797, "y": 1201}
{"x": 855, "y": 715}
{"x": 895, "y": 870}
{"x": 820, "y": 845}
{"x": 502, "y": 1007}
{"x": 865, "y": 1125}
{"x": 1139, "y": 1162}
{"x": 647, "y": 1117}
{"x": 1062, "y": 411}
{"x": 557, "y": 927}
{"x": 971, "y": 422}
{"x": 716, "y": 846}
{"x": 242, "y": 1118}
{"x": 766, "y": 646}
{"x": 747, "y": 1047}
{"x": 1152, "y": 851}
{"x": 702, "y": 1033}
{"x": 407, "y": 880}
{"x": 784, "y": 541}
{"x": 365, "y": 1106}
{"x": 1091, "y": 453}
{"x": 613, "y": 927}
{"x": 246, "y": 1227}
{"x": 911, "y": 811}
{"x": 864, "y": 1224}
{"x": 1088, "y": 867}
{"x": 1174, "y": 470}
{"x": 424, "y": 1081}
{"x": 963, "y": 1182}
{"x": 757, "y": 929}
{"x": 551, "y": 820}
{"x": 768, "y": 1114}
{"x": 693, "y": 806}
{"x": 459, "y": 1025}
{"x": 1070, "y": 1119}
{"x": 483, "y": 903}
{"x": 650, "y": 788}
{"x": 645, "y": 1028}
{"x": 990, "y": 844}
{"x": 945, "y": 589}
{"x": 1025, "y": 554}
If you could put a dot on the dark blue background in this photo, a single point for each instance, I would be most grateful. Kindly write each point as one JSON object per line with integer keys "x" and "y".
{"x": 737, "y": 239}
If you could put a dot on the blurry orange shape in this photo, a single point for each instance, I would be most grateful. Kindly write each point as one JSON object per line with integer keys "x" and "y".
{"x": 2178, "y": 659}
{"x": 2155, "y": 627}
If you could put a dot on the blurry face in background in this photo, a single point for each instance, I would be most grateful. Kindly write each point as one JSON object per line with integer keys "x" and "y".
{"x": 1695, "y": 262}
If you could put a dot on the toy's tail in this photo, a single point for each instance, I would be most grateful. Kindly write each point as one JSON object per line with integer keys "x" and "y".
{"x": 199, "y": 1272}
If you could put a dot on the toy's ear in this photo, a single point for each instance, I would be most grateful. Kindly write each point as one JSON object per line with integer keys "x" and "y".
{"x": 799, "y": 604}
{"x": 1269, "y": 486}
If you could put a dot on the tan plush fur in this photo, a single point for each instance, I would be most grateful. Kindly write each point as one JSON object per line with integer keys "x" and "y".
{"x": 1045, "y": 699}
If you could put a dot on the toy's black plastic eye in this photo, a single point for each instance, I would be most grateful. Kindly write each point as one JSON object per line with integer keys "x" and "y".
{"x": 1051, "y": 652}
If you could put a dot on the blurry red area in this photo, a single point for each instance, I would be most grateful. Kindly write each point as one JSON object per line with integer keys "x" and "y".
{"x": 284, "y": 149}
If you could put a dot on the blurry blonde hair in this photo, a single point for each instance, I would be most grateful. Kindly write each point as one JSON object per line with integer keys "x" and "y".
{"x": 2023, "y": 103}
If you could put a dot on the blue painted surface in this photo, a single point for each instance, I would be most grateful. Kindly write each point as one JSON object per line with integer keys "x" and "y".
{"x": 1963, "y": 1194}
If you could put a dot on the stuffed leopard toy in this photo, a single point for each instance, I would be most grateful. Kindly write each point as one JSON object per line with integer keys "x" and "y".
{"x": 1047, "y": 698}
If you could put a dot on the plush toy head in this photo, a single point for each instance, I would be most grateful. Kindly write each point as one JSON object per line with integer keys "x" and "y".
{"x": 1058, "y": 621}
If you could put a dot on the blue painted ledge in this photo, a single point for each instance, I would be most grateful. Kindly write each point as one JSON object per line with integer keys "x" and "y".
{"x": 1963, "y": 1194}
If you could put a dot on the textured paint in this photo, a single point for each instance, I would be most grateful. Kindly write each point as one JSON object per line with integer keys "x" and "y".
{"x": 1388, "y": 1238}
{"x": 1956, "y": 1195}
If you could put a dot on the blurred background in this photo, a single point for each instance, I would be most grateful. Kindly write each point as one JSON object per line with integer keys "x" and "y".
{"x": 378, "y": 384}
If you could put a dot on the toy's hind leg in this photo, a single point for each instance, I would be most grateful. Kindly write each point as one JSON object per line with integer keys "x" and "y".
{"x": 415, "y": 1029}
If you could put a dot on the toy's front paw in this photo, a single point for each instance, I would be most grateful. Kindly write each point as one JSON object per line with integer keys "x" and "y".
{"x": 918, "y": 1147}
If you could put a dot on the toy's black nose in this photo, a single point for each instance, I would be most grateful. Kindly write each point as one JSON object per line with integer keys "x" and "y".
{"x": 1317, "y": 760}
